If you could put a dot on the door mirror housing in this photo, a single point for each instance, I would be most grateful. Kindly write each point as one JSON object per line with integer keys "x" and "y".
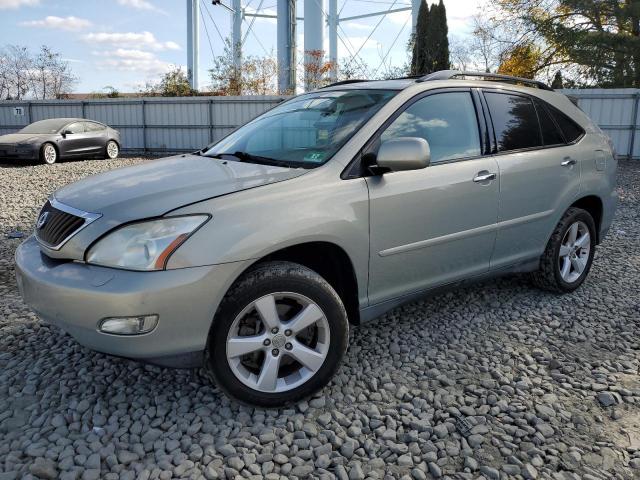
{"x": 403, "y": 153}
{"x": 66, "y": 132}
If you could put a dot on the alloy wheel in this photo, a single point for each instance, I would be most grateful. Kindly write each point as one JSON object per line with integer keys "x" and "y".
{"x": 112, "y": 150}
{"x": 278, "y": 342}
{"x": 50, "y": 154}
{"x": 574, "y": 251}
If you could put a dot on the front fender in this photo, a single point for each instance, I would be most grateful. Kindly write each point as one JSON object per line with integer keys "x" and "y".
{"x": 252, "y": 224}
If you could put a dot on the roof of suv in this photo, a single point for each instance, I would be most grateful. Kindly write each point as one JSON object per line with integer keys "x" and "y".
{"x": 402, "y": 83}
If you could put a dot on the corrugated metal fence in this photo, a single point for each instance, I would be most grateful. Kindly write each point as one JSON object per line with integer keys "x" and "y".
{"x": 147, "y": 124}
{"x": 616, "y": 112}
{"x": 188, "y": 123}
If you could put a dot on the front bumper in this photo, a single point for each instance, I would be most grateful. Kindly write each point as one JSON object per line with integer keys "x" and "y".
{"x": 14, "y": 153}
{"x": 76, "y": 296}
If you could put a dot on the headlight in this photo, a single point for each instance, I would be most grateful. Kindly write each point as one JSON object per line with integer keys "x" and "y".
{"x": 145, "y": 245}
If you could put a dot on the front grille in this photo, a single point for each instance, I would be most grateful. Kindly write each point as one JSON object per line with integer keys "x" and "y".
{"x": 54, "y": 226}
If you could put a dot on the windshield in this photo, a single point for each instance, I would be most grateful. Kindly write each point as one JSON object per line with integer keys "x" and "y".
{"x": 305, "y": 131}
{"x": 44, "y": 126}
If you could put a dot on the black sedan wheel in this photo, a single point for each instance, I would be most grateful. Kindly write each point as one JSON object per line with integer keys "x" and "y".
{"x": 112, "y": 150}
{"x": 48, "y": 154}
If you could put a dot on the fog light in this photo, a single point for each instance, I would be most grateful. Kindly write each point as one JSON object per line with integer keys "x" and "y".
{"x": 129, "y": 325}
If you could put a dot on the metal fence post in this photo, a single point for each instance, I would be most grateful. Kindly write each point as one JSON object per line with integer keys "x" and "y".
{"x": 634, "y": 124}
{"x": 210, "y": 120}
{"x": 144, "y": 127}
{"x": 83, "y": 106}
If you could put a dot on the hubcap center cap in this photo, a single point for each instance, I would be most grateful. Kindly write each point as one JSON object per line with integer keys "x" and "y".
{"x": 278, "y": 341}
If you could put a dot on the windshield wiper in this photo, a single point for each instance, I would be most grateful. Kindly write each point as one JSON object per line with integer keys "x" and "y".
{"x": 250, "y": 158}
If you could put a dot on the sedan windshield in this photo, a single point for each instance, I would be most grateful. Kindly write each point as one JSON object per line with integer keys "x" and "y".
{"x": 44, "y": 126}
{"x": 303, "y": 132}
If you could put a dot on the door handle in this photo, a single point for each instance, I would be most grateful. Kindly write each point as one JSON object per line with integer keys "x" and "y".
{"x": 484, "y": 176}
{"x": 568, "y": 162}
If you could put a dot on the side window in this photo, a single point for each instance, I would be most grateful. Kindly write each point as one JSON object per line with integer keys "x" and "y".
{"x": 446, "y": 120}
{"x": 77, "y": 127}
{"x": 514, "y": 121}
{"x": 551, "y": 135}
{"x": 93, "y": 127}
{"x": 572, "y": 131}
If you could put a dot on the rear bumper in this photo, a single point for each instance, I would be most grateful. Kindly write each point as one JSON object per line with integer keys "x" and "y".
{"x": 76, "y": 297}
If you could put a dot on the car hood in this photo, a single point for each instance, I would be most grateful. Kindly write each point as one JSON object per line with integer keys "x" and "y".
{"x": 159, "y": 186}
{"x": 22, "y": 137}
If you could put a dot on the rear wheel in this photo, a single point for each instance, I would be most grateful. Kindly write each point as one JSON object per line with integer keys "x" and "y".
{"x": 48, "y": 154}
{"x": 112, "y": 150}
{"x": 569, "y": 254}
{"x": 279, "y": 335}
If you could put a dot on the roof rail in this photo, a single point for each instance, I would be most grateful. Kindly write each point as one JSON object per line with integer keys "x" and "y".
{"x": 496, "y": 77}
{"x": 345, "y": 82}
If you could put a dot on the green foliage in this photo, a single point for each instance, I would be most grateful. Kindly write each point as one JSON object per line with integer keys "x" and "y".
{"x": 600, "y": 38}
{"x": 430, "y": 43}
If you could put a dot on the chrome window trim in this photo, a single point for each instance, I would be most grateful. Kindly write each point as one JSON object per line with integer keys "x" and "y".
{"x": 88, "y": 217}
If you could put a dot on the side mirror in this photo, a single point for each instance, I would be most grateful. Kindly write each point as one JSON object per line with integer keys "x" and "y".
{"x": 404, "y": 153}
{"x": 66, "y": 132}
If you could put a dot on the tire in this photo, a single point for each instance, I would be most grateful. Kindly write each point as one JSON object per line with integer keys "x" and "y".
{"x": 111, "y": 150}
{"x": 293, "y": 288}
{"x": 48, "y": 153}
{"x": 552, "y": 275}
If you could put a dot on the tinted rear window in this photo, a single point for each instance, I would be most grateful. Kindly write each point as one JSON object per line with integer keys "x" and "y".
{"x": 514, "y": 120}
{"x": 551, "y": 134}
{"x": 571, "y": 130}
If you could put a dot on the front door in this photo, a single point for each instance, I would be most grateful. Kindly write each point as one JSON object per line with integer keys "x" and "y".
{"x": 77, "y": 141}
{"x": 436, "y": 225}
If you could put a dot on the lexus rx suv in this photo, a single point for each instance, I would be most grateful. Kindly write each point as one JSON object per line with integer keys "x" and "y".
{"x": 255, "y": 255}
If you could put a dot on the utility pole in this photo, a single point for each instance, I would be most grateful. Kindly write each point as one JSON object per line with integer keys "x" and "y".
{"x": 415, "y": 7}
{"x": 286, "y": 47}
{"x": 236, "y": 33}
{"x": 193, "y": 43}
{"x": 332, "y": 23}
{"x": 313, "y": 35}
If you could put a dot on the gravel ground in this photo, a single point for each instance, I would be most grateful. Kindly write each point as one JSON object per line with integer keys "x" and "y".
{"x": 493, "y": 381}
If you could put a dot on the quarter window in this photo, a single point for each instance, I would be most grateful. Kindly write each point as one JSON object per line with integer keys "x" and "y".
{"x": 514, "y": 121}
{"x": 551, "y": 135}
{"x": 571, "y": 130}
{"x": 446, "y": 120}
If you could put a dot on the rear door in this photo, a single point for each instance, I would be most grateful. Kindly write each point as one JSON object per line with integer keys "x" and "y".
{"x": 538, "y": 175}
{"x": 436, "y": 225}
{"x": 96, "y": 137}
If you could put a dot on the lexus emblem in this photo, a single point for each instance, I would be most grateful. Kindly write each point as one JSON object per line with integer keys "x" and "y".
{"x": 42, "y": 219}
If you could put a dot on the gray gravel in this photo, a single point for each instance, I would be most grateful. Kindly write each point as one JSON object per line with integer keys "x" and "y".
{"x": 493, "y": 381}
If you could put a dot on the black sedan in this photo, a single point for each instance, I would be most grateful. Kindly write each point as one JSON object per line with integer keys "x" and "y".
{"x": 56, "y": 138}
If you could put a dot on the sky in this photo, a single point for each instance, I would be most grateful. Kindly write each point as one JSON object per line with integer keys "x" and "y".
{"x": 126, "y": 43}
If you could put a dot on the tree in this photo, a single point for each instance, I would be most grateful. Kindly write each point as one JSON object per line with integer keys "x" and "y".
{"x": 51, "y": 77}
{"x": 557, "y": 83}
{"x": 255, "y": 75}
{"x": 521, "y": 61}
{"x": 431, "y": 43}
{"x": 174, "y": 83}
{"x": 43, "y": 76}
{"x": 316, "y": 70}
{"x": 601, "y": 38}
{"x": 419, "y": 59}
{"x": 440, "y": 38}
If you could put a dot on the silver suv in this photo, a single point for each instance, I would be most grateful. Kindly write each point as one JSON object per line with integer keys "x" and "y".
{"x": 253, "y": 256}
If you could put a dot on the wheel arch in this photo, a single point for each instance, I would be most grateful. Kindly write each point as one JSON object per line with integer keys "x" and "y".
{"x": 594, "y": 205}
{"x": 55, "y": 146}
{"x": 330, "y": 261}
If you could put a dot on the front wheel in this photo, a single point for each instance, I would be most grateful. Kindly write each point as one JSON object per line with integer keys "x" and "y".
{"x": 48, "y": 154}
{"x": 112, "y": 150}
{"x": 278, "y": 336}
{"x": 567, "y": 259}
